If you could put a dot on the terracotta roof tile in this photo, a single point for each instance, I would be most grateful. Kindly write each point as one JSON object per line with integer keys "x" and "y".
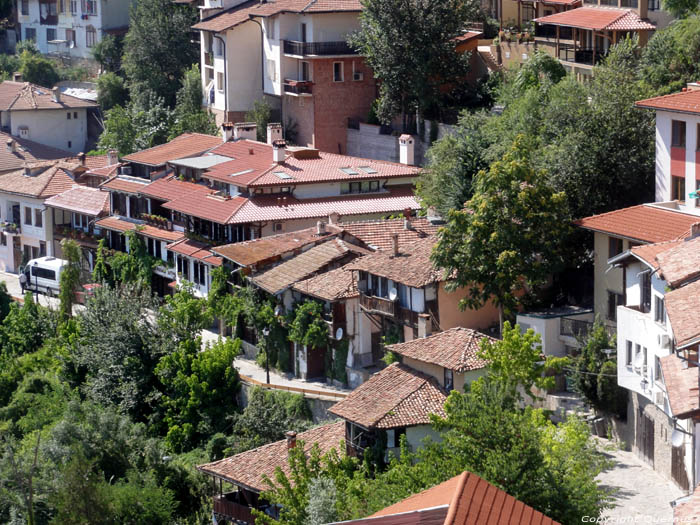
{"x": 169, "y": 188}
{"x": 377, "y": 233}
{"x": 688, "y": 512}
{"x": 186, "y": 145}
{"x": 196, "y": 250}
{"x": 52, "y": 180}
{"x": 306, "y": 264}
{"x": 455, "y": 349}
{"x": 329, "y": 286}
{"x": 681, "y": 262}
{"x": 25, "y": 96}
{"x": 643, "y": 223}
{"x": 26, "y": 151}
{"x": 248, "y": 468}
{"x": 398, "y": 396}
{"x": 266, "y": 249}
{"x": 207, "y": 205}
{"x": 598, "y": 19}
{"x": 249, "y": 160}
{"x": 681, "y": 386}
{"x": 81, "y": 199}
{"x": 121, "y": 225}
{"x": 682, "y": 306}
{"x": 264, "y": 208}
{"x": 649, "y": 252}
{"x": 411, "y": 267}
{"x": 126, "y": 183}
{"x": 685, "y": 102}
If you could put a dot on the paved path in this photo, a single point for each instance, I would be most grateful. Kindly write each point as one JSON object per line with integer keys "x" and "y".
{"x": 642, "y": 493}
{"x": 15, "y": 290}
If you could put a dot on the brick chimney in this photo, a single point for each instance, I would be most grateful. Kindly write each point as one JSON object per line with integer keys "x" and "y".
{"x": 245, "y": 130}
{"x": 291, "y": 439}
{"x": 279, "y": 151}
{"x": 17, "y": 76}
{"x": 694, "y": 230}
{"x": 56, "y": 94}
{"x": 333, "y": 218}
{"x": 395, "y": 244}
{"x": 274, "y": 132}
{"x": 11, "y": 145}
{"x": 112, "y": 157}
{"x": 226, "y": 131}
{"x": 320, "y": 228}
{"x": 424, "y": 326}
{"x": 407, "y": 150}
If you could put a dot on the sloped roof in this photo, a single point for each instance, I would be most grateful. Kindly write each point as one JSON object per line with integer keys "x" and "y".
{"x": 649, "y": 252}
{"x": 185, "y": 145}
{"x": 81, "y": 199}
{"x": 598, "y": 19}
{"x": 681, "y": 262}
{"x": 682, "y": 310}
{"x": 304, "y": 265}
{"x": 249, "y": 160}
{"x": 456, "y": 349}
{"x": 329, "y": 286}
{"x": 126, "y": 183}
{"x": 644, "y": 223}
{"x": 26, "y": 96}
{"x": 208, "y": 205}
{"x": 26, "y": 151}
{"x": 121, "y": 225}
{"x": 54, "y": 179}
{"x": 683, "y": 102}
{"x": 248, "y": 468}
{"x": 196, "y": 250}
{"x": 398, "y": 396}
{"x": 412, "y": 266}
{"x": 170, "y": 188}
{"x": 681, "y": 386}
{"x": 377, "y": 233}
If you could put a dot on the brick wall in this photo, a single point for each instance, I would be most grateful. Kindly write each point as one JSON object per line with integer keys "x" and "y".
{"x": 300, "y": 110}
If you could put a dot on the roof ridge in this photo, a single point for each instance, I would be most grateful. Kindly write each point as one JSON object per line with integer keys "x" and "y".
{"x": 424, "y": 381}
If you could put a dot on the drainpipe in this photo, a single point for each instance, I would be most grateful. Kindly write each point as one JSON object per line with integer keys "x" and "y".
{"x": 262, "y": 53}
{"x": 225, "y": 77}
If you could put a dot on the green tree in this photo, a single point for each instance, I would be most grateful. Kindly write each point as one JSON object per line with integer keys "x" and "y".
{"x": 5, "y": 301}
{"x": 183, "y": 316}
{"x": 322, "y": 497}
{"x": 409, "y": 45}
{"x": 37, "y": 69}
{"x": 101, "y": 273}
{"x": 111, "y": 91}
{"x": 307, "y": 326}
{"x": 119, "y": 132}
{"x": 25, "y": 328}
{"x": 680, "y": 8}
{"x": 189, "y": 117}
{"x": 157, "y": 48}
{"x": 108, "y": 53}
{"x": 540, "y": 67}
{"x": 260, "y": 114}
{"x": 70, "y": 277}
{"x": 509, "y": 238}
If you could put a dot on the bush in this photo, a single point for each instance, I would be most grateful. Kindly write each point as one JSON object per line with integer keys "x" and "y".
{"x": 111, "y": 91}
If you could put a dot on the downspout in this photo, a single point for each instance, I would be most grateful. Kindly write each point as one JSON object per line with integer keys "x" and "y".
{"x": 225, "y": 75}
{"x": 262, "y": 53}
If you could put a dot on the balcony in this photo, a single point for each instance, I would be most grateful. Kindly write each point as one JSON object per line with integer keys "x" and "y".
{"x": 228, "y": 507}
{"x": 319, "y": 49}
{"x": 378, "y": 305}
{"x": 549, "y": 32}
{"x": 84, "y": 238}
{"x": 10, "y": 228}
{"x": 587, "y": 57}
{"x": 580, "y": 328}
{"x": 298, "y": 88}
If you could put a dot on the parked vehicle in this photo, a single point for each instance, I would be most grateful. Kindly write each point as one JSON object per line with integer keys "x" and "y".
{"x": 42, "y": 275}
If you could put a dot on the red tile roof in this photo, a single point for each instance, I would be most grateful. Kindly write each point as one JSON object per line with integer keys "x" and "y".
{"x": 26, "y": 151}
{"x": 456, "y": 349}
{"x": 26, "y": 96}
{"x": 598, "y": 19}
{"x": 645, "y": 223}
{"x": 49, "y": 179}
{"x": 248, "y": 468}
{"x": 681, "y": 262}
{"x": 81, "y": 199}
{"x": 269, "y": 208}
{"x": 377, "y": 233}
{"x": 170, "y": 188}
{"x": 121, "y": 225}
{"x": 398, "y": 396}
{"x": 681, "y": 386}
{"x": 186, "y": 145}
{"x": 684, "y": 102}
{"x": 682, "y": 307}
{"x": 411, "y": 267}
{"x": 126, "y": 183}
{"x": 249, "y": 160}
{"x": 649, "y": 252}
{"x": 208, "y": 205}
{"x": 329, "y": 286}
{"x": 195, "y": 250}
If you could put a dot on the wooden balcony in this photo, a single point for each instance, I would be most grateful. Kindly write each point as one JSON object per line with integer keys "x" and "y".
{"x": 378, "y": 305}
{"x": 227, "y": 506}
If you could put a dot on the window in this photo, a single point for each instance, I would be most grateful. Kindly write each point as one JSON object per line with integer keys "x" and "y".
{"x": 677, "y": 188}
{"x": 646, "y": 292}
{"x": 43, "y": 273}
{"x": 337, "y": 71}
{"x": 528, "y": 12}
{"x": 449, "y": 380}
{"x": 28, "y": 216}
{"x": 654, "y": 5}
{"x": 272, "y": 70}
{"x": 38, "y": 218}
{"x": 90, "y": 36}
{"x": 659, "y": 310}
{"x": 27, "y": 252}
{"x": 697, "y": 144}
{"x": 303, "y": 32}
{"x": 657, "y": 368}
{"x": 74, "y": 7}
{"x": 304, "y": 71}
{"x": 42, "y": 249}
{"x": 25, "y": 11}
{"x": 89, "y": 7}
{"x": 75, "y": 115}
{"x": 35, "y": 252}
{"x": 61, "y": 6}
{"x": 628, "y": 353}
{"x": 614, "y": 247}
{"x": 68, "y": 115}
{"x": 220, "y": 81}
{"x": 50, "y": 34}
{"x": 644, "y": 349}
{"x": 200, "y": 273}
{"x": 678, "y": 133}
{"x": 70, "y": 144}
{"x": 70, "y": 36}
{"x": 614, "y": 299}
{"x": 3, "y": 239}
{"x": 30, "y": 34}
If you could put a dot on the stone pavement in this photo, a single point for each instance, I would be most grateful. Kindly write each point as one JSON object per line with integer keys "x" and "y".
{"x": 15, "y": 290}
{"x": 641, "y": 494}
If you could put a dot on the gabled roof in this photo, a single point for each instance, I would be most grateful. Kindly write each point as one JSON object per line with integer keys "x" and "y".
{"x": 681, "y": 262}
{"x": 195, "y": 250}
{"x": 682, "y": 310}
{"x": 208, "y": 205}
{"x": 185, "y": 145}
{"x": 122, "y": 225}
{"x": 687, "y": 101}
{"x": 329, "y": 286}
{"x": 377, "y": 233}
{"x": 643, "y": 223}
{"x": 681, "y": 386}
{"x": 26, "y": 96}
{"x": 648, "y": 252}
{"x": 248, "y": 468}
{"x": 26, "y": 151}
{"x": 412, "y": 266}
{"x": 170, "y": 188}
{"x": 398, "y": 396}
{"x": 54, "y": 178}
{"x": 81, "y": 199}
{"x": 598, "y": 19}
{"x": 126, "y": 183}
{"x": 316, "y": 259}
{"x": 456, "y": 349}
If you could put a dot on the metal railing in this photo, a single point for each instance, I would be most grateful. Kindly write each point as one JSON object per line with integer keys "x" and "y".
{"x": 579, "y": 56}
{"x": 550, "y": 32}
{"x": 293, "y": 47}
{"x": 580, "y": 328}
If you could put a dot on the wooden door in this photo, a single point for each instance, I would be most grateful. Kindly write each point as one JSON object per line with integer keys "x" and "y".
{"x": 678, "y": 467}
{"x": 645, "y": 435}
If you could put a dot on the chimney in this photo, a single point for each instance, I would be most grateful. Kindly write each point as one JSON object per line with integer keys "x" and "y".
{"x": 279, "y": 151}
{"x": 407, "y": 224}
{"x": 693, "y": 86}
{"x": 406, "y": 149}
{"x": 333, "y": 218}
{"x": 112, "y": 157}
{"x": 291, "y": 439}
{"x": 245, "y": 130}
{"x": 81, "y": 158}
{"x": 395, "y": 244}
{"x": 56, "y": 94}
{"x": 11, "y": 145}
{"x": 17, "y": 76}
{"x": 424, "y": 326}
{"x": 320, "y": 228}
{"x": 27, "y": 171}
{"x": 274, "y": 132}
{"x": 694, "y": 230}
{"x": 226, "y": 131}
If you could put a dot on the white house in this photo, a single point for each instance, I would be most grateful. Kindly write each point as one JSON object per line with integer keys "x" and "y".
{"x": 44, "y": 115}
{"x": 71, "y": 27}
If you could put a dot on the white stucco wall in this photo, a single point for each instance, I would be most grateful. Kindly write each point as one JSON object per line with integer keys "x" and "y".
{"x": 30, "y": 234}
{"x": 53, "y": 128}
{"x": 416, "y": 435}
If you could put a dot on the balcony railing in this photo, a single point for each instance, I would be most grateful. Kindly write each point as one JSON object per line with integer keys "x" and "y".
{"x": 378, "y": 305}
{"x": 580, "y": 328}
{"x": 297, "y": 87}
{"x": 579, "y": 56}
{"x": 226, "y": 505}
{"x": 550, "y": 32}
{"x": 292, "y": 47}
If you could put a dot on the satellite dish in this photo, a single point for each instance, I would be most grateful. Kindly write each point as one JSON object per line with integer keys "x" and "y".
{"x": 71, "y": 45}
{"x": 393, "y": 294}
{"x": 677, "y": 438}
{"x": 339, "y": 333}
{"x": 639, "y": 359}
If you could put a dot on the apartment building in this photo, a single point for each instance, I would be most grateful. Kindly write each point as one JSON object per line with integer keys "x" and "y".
{"x": 71, "y": 28}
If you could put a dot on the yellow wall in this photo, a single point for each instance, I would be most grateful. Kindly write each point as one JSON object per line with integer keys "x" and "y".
{"x": 451, "y": 316}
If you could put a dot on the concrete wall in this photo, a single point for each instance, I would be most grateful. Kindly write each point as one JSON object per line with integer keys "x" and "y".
{"x": 416, "y": 435}
{"x": 603, "y": 279}
{"x": 438, "y": 372}
{"x": 53, "y": 128}
{"x": 451, "y": 316}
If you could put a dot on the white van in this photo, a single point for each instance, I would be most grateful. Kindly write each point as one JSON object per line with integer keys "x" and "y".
{"x": 42, "y": 275}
